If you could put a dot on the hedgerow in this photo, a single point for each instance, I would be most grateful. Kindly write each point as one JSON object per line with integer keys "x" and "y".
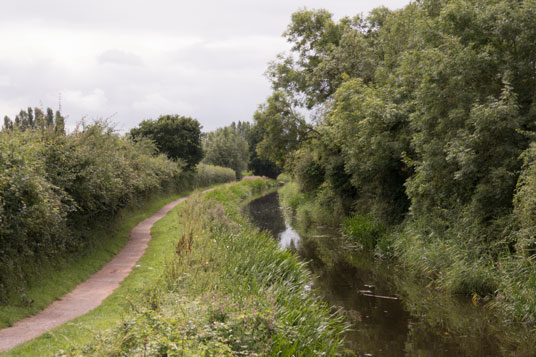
{"x": 54, "y": 187}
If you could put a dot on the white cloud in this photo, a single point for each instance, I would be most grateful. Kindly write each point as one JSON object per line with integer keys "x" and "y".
{"x": 166, "y": 106}
{"x": 5, "y": 81}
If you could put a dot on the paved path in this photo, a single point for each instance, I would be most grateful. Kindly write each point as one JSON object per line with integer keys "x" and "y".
{"x": 89, "y": 294}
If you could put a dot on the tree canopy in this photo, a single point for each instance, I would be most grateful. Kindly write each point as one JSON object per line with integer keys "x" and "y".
{"x": 226, "y": 147}
{"x": 176, "y": 136}
{"x": 423, "y": 116}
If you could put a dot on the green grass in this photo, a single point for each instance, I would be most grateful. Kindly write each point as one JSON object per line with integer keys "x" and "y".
{"x": 323, "y": 208}
{"x": 62, "y": 275}
{"x": 56, "y": 282}
{"x": 363, "y": 230}
{"x": 232, "y": 291}
{"x": 60, "y": 282}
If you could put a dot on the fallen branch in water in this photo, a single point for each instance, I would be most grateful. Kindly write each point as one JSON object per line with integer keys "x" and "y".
{"x": 380, "y": 296}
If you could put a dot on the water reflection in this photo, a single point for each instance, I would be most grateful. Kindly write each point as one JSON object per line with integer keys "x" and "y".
{"x": 267, "y": 215}
{"x": 419, "y": 322}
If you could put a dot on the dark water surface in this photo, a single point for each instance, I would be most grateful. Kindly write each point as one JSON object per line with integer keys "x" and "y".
{"x": 391, "y": 315}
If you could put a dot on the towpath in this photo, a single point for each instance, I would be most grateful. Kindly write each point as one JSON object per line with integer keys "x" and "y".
{"x": 89, "y": 294}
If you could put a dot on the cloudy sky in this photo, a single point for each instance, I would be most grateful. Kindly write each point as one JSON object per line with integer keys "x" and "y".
{"x": 133, "y": 60}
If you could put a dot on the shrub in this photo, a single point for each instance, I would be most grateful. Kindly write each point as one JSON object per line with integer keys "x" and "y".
{"x": 308, "y": 171}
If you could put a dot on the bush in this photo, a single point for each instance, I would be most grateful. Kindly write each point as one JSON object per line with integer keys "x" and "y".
{"x": 525, "y": 203}
{"x": 308, "y": 171}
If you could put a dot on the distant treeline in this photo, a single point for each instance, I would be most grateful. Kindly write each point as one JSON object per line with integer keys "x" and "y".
{"x": 54, "y": 187}
{"x": 424, "y": 119}
{"x": 235, "y": 146}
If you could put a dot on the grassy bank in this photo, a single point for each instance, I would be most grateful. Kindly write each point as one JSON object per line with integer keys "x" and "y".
{"x": 308, "y": 208}
{"x": 217, "y": 286}
{"x": 51, "y": 279}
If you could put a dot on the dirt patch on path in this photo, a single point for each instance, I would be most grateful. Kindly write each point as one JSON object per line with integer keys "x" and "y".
{"x": 89, "y": 294}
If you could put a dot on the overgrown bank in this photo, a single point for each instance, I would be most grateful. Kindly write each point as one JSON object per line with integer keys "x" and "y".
{"x": 504, "y": 282}
{"x": 423, "y": 121}
{"x": 226, "y": 288}
{"x": 423, "y": 321}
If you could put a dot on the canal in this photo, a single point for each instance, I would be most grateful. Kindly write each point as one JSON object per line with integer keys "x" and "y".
{"x": 390, "y": 313}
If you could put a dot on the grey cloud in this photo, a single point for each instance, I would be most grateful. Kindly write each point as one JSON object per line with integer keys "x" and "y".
{"x": 120, "y": 57}
{"x": 140, "y": 59}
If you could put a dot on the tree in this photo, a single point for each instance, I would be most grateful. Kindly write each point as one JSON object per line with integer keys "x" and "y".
{"x": 259, "y": 165}
{"x": 8, "y": 124}
{"x": 49, "y": 120}
{"x": 176, "y": 136}
{"x": 59, "y": 123}
{"x": 225, "y": 147}
{"x": 284, "y": 128}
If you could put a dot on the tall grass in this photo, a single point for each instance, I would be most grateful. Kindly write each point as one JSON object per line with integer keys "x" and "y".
{"x": 208, "y": 175}
{"x": 363, "y": 230}
{"x": 228, "y": 290}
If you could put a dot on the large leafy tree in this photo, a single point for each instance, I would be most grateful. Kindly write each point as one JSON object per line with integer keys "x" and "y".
{"x": 176, "y": 136}
{"x": 259, "y": 165}
{"x": 283, "y": 126}
{"x": 226, "y": 147}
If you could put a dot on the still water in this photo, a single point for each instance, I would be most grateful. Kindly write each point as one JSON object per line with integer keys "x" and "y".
{"x": 391, "y": 315}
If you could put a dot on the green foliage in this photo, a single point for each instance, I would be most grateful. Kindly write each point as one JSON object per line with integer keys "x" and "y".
{"x": 362, "y": 229}
{"x": 25, "y": 120}
{"x": 308, "y": 171}
{"x": 176, "y": 136}
{"x": 208, "y": 175}
{"x": 525, "y": 203}
{"x": 54, "y": 187}
{"x": 372, "y": 136}
{"x": 323, "y": 52}
{"x": 324, "y": 208}
{"x": 32, "y": 210}
{"x": 422, "y": 117}
{"x": 260, "y": 166}
{"x": 226, "y": 147}
{"x": 283, "y": 128}
{"x": 291, "y": 196}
